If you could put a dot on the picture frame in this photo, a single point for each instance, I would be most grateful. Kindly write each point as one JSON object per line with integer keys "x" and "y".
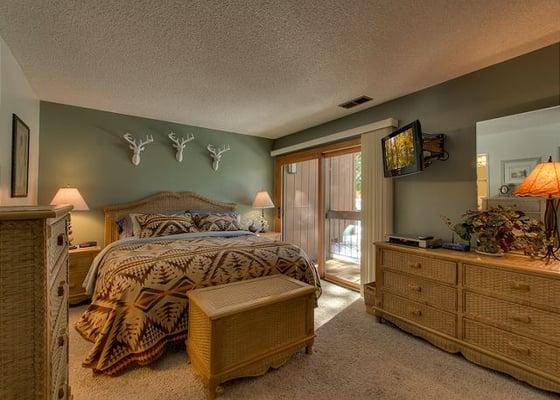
{"x": 20, "y": 157}
{"x": 514, "y": 172}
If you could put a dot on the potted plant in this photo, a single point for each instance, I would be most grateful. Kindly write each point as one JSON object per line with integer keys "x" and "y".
{"x": 499, "y": 230}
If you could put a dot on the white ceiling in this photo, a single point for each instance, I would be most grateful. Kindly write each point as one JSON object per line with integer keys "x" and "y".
{"x": 266, "y": 68}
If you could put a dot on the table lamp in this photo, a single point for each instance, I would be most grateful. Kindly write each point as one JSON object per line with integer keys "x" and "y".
{"x": 72, "y": 196}
{"x": 544, "y": 181}
{"x": 262, "y": 201}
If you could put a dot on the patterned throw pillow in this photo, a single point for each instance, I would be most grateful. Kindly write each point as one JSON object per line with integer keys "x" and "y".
{"x": 152, "y": 225}
{"x": 217, "y": 222}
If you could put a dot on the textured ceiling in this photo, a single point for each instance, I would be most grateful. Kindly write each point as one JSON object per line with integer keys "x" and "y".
{"x": 266, "y": 68}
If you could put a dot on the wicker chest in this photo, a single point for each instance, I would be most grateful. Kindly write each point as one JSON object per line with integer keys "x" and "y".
{"x": 245, "y": 328}
{"x": 34, "y": 303}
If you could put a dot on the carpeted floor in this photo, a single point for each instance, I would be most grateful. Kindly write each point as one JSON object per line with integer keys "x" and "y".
{"x": 354, "y": 358}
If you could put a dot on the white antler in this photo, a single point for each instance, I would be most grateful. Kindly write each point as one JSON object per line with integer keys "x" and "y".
{"x": 137, "y": 147}
{"x": 179, "y": 144}
{"x": 216, "y": 154}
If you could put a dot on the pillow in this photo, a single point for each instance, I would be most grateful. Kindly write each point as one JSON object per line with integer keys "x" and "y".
{"x": 217, "y": 222}
{"x": 128, "y": 225}
{"x": 153, "y": 225}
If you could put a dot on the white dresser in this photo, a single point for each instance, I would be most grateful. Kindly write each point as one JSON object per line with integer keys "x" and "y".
{"x": 34, "y": 303}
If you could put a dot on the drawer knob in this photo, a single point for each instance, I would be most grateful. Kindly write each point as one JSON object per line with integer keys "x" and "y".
{"x": 521, "y": 318}
{"x": 61, "y": 340}
{"x": 415, "y": 265}
{"x": 522, "y": 287}
{"x": 416, "y": 313}
{"x": 60, "y": 291}
{"x": 519, "y": 349}
{"x": 61, "y": 393}
{"x": 416, "y": 288}
{"x": 60, "y": 239}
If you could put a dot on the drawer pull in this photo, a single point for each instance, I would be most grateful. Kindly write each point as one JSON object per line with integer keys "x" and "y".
{"x": 521, "y": 318}
{"x": 522, "y": 287}
{"x": 61, "y": 393}
{"x": 416, "y": 288}
{"x": 415, "y": 265}
{"x": 60, "y": 239}
{"x": 60, "y": 291}
{"x": 519, "y": 349}
{"x": 61, "y": 340}
{"x": 416, "y": 313}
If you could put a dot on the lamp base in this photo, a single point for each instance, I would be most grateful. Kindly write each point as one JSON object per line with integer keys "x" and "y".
{"x": 551, "y": 230}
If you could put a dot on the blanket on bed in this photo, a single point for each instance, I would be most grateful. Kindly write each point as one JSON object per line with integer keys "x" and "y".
{"x": 140, "y": 304}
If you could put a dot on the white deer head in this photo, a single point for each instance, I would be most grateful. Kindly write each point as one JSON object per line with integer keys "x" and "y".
{"x": 216, "y": 154}
{"x": 137, "y": 147}
{"x": 179, "y": 144}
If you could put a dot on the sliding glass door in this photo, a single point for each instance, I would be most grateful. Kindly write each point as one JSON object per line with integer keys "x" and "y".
{"x": 318, "y": 202}
{"x": 343, "y": 217}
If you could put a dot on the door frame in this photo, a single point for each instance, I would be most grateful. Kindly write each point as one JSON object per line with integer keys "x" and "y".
{"x": 319, "y": 153}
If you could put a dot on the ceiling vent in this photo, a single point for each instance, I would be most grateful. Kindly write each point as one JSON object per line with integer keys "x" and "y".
{"x": 355, "y": 102}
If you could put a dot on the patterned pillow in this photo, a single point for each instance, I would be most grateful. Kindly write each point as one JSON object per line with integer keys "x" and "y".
{"x": 217, "y": 222}
{"x": 152, "y": 225}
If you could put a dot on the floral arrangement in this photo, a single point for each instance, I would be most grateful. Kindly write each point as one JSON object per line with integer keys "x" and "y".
{"x": 499, "y": 230}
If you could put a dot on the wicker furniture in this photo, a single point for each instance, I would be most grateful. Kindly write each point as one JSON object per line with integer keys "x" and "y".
{"x": 245, "y": 328}
{"x": 499, "y": 312}
{"x": 160, "y": 203}
{"x": 79, "y": 261}
{"x": 33, "y": 303}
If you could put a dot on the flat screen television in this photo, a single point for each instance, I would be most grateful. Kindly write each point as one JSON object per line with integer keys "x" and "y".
{"x": 402, "y": 151}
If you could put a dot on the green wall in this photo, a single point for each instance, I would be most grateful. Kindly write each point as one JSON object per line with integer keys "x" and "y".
{"x": 84, "y": 148}
{"x": 526, "y": 83}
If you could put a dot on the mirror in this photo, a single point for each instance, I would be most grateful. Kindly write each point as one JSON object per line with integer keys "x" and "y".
{"x": 508, "y": 148}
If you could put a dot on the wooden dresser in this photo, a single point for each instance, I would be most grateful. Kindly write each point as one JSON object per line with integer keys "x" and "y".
{"x": 499, "y": 312}
{"x": 34, "y": 303}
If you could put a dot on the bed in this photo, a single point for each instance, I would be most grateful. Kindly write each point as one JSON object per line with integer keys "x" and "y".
{"x": 139, "y": 285}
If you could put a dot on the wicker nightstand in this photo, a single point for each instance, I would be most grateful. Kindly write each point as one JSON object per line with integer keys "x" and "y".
{"x": 271, "y": 235}
{"x": 79, "y": 262}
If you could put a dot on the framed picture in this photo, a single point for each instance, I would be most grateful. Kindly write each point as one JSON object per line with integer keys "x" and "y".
{"x": 515, "y": 171}
{"x": 20, "y": 157}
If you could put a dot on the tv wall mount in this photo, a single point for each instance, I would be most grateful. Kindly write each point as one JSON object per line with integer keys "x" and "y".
{"x": 433, "y": 148}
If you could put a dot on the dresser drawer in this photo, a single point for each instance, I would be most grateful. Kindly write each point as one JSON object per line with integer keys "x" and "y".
{"x": 58, "y": 292}
{"x": 420, "y": 313}
{"x": 514, "y": 317}
{"x": 59, "y": 354}
{"x": 529, "y": 288}
{"x": 421, "y": 290}
{"x": 530, "y": 352}
{"x": 427, "y": 267}
{"x": 57, "y": 241}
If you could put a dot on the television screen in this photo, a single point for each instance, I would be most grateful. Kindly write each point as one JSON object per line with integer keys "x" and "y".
{"x": 402, "y": 151}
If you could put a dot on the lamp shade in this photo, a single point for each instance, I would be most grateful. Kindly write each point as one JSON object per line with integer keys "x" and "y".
{"x": 263, "y": 200}
{"x": 70, "y": 196}
{"x": 543, "y": 181}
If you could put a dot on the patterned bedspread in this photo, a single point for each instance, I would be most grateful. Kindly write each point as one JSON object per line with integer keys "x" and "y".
{"x": 140, "y": 303}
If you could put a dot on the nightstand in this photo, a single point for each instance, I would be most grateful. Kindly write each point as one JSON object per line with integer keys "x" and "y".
{"x": 79, "y": 261}
{"x": 271, "y": 235}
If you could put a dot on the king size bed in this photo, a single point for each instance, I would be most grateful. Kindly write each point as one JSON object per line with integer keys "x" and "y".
{"x": 139, "y": 283}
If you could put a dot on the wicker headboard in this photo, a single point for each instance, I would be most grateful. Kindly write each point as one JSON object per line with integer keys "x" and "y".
{"x": 161, "y": 202}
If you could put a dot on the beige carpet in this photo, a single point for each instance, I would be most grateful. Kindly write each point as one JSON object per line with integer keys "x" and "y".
{"x": 354, "y": 358}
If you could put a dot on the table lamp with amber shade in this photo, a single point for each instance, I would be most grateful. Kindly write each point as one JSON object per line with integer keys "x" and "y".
{"x": 544, "y": 181}
{"x": 72, "y": 196}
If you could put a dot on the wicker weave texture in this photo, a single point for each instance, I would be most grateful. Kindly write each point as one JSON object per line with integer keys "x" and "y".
{"x": 439, "y": 320}
{"x": 33, "y": 312}
{"x": 513, "y": 285}
{"x": 533, "y": 353}
{"x": 427, "y": 267}
{"x": 252, "y": 339}
{"x": 439, "y": 296}
{"x": 513, "y": 317}
{"x": 158, "y": 203}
